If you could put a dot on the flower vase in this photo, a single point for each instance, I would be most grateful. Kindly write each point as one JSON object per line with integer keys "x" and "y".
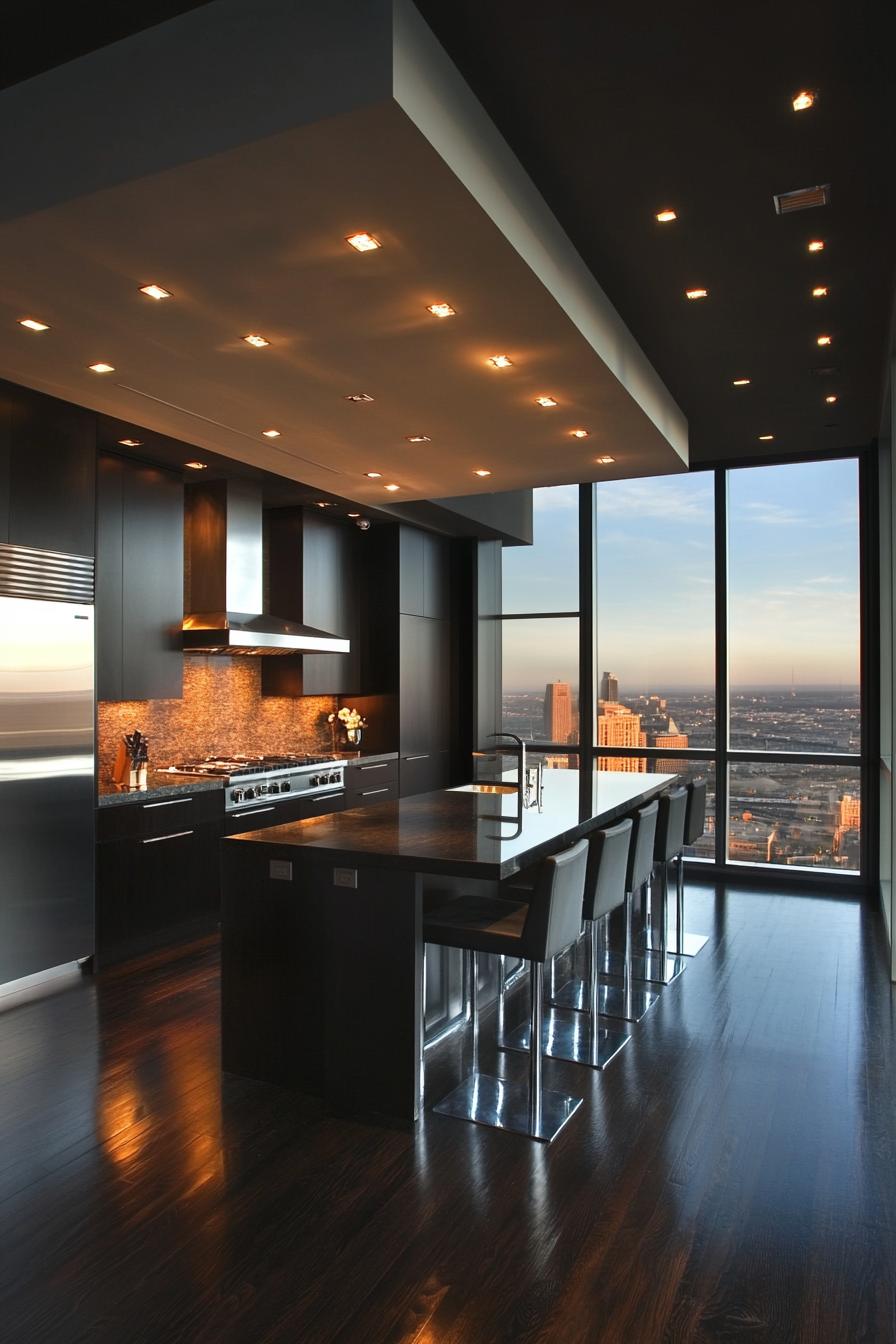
{"x": 353, "y": 736}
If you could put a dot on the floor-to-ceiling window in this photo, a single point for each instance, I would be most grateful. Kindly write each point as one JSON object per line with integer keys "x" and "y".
{"x": 727, "y": 618}
{"x": 726, "y": 635}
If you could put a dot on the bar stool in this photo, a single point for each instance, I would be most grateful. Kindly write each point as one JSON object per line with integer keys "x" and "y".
{"x": 660, "y": 965}
{"x": 689, "y": 944}
{"x": 538, "y": 925}
{"x": 627, "y": 1002}
{"x": 572, "y": 1027}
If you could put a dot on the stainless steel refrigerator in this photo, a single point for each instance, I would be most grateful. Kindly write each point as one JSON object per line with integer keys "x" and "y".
{"x": 47, "y": 773}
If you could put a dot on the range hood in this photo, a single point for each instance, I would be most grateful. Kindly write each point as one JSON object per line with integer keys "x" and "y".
{"x": 225, "y": 579}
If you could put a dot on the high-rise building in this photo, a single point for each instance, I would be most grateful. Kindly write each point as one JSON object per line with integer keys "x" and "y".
{"x": 617, "y": 726}
{"x": 609, "y": 687}
{"x": 558, "y": 712}
{"x": 850, "y": 813}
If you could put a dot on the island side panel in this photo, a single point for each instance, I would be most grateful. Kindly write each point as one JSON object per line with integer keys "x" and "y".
{"x": 321, "y": 985}
{"x": 374, "y": 990}
{"x": 272, "y": 970}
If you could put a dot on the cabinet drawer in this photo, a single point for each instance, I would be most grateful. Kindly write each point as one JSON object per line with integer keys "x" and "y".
{"x": 159, "y": 816}
{"x": 364, "y": 775}
{"x": 375, "y": 792}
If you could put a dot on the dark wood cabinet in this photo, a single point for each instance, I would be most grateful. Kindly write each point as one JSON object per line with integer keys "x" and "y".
{"x": 314, "y": 577}
{"x": 139, "y": 594}
{"x": 423, "y": 574}
{"x": 157, "y": 874}
{"x": 47, "y": 472}
{"x": 279, "y": 813}
{"x": 368, "y": 782}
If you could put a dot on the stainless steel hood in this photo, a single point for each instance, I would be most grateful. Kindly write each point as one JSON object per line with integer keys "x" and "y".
{"x": 224, "y": 579}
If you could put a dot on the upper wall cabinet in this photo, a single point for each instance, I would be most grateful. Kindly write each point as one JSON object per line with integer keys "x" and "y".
{"x": 47, "y": 472}
{"x": 423, "y": 574}
{"x": 139, "y": 581}
{"x": 314, "y": 577}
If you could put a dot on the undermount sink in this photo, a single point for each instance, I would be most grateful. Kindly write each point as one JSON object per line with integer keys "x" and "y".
{"x": 484, "y": 788}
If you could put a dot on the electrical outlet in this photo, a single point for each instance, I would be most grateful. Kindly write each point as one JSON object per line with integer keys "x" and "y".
{"x": 345, "y": 877}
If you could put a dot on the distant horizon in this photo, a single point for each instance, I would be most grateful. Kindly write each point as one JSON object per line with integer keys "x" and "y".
{"x": 705, "y": 689}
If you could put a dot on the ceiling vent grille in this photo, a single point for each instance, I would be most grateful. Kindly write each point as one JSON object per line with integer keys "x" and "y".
{"x": 804, "y": 199}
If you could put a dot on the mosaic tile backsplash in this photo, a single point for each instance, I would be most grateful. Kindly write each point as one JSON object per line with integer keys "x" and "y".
{"x": 222, "y": 711}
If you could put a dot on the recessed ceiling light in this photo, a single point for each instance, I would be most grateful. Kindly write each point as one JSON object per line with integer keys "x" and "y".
{"x": 740, "y": 382}
{"x": 418, "y": 438}
{"x": 391, "y": 487}
{"x": 481, "y": 471}
{"x": 605, "y": 460}
{"x": 258, "y": 341}
{"x": 271, "y": 433}
{"x": 766, "y": 438}
{"x": 363, "y": 242}
{"x": 820, "y": 292}
{"x": 359, "y": 396}
{"x": 666, "y": 216}
{"x": 196, "y": 466}
{"x": 374, "y": 475}
{"x": 824, "y": 340}
{"x": 440, "y": 309}
{"x": 501, "y": 361}
{"x": 803, "y": 100}
{"x": 831, "y": 399}
{"x": 816, "y": 245}
{"x": 696, "y": 293}
{"x": 130, "y": 443}
{"x": 353, "y": 515}
{"x": 323, "y": 504}
{"x": 545, "y": 401}
{"x": 580, "y": 433}
{"x": 33, "y": 324}
{"x": 102, "y": 368}
{"x": 156, "y": 292}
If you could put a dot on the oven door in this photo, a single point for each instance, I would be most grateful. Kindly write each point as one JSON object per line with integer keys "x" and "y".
{"x": 262, "y": 812}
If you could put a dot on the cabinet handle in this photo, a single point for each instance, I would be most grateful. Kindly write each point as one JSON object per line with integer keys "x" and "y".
{"x": 383, "y": 765}
{"x": 253, "y": 812}
{"x": 424, "y": 757}
{"x": 169, "y": 802}
{"x": 176, "y": 835}
{"x": 325, "y": 797}
{"x": 368, "y": 793}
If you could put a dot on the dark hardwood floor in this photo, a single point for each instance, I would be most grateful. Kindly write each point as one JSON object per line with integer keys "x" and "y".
{"x": 732, "y": 1176}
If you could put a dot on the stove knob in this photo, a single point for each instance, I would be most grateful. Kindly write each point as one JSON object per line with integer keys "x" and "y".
{"x": 237, "y": 795}
{"x": 285, "y": 787}
{"x": 250, "y": 793}
{"x": 273, "y": 788}
{"x": 334, "y": 778}
{"x": 314, "y": 781}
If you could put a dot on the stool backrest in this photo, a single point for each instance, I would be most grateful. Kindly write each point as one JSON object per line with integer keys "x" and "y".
{"x": 695, "y": 816}
{"x": 607, "y": 865}
{"x": 554, "y": 920}
{"x": 670, "y": 824}
{"x": 640, "y": 857}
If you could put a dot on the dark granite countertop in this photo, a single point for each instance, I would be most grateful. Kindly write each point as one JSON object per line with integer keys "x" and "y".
{"x": 161, "y": 784}
{"x": 457, "y": 832}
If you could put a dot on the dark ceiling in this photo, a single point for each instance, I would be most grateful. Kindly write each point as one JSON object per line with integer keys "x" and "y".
{"x": 618, "y": 110}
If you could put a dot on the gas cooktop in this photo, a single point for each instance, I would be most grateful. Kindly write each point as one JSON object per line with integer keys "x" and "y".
{"x": 227, "y": 767}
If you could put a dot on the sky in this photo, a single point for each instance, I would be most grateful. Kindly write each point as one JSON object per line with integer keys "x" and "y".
{"x": 793, "y": 581}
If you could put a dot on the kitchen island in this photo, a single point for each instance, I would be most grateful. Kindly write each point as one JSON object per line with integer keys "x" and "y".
{"x": 322, "y": 954}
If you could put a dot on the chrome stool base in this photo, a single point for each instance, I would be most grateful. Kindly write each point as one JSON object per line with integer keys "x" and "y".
{"x": 693, "y": 943}
{"x": 568, "y": 1036}
{"x": 500, "y": 1104}
{"x": 612, "y": 1002}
